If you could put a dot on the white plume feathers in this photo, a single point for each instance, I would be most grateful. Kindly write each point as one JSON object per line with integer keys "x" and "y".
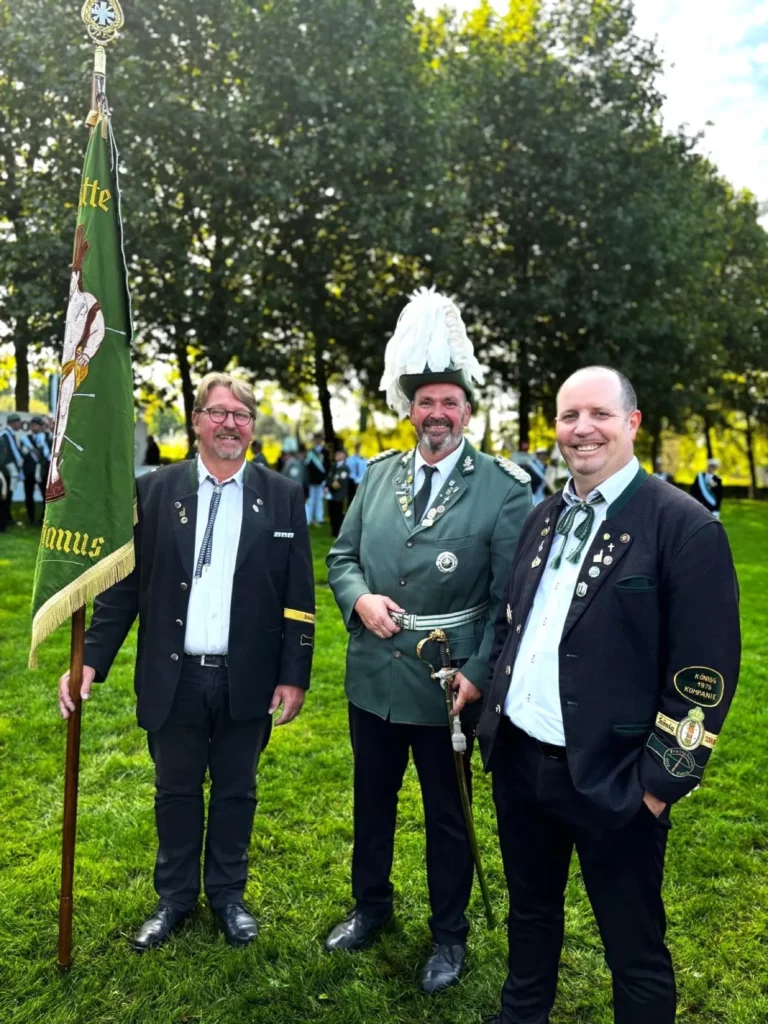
{"x": 429, "y": 334}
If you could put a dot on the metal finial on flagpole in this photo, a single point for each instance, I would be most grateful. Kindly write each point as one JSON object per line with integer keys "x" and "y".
{"x": 103, "y": 19}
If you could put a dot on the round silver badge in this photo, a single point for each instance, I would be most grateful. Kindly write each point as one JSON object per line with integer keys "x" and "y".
{"x": 594, "y": 571}
{"x": 446, "y": 561}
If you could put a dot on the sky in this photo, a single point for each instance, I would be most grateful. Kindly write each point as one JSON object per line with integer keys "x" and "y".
{"x": 716, "y": 69}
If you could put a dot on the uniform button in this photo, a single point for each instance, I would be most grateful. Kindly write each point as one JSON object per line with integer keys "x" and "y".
{"x": 396, "y": 654}
{"x": 174, "y": 657}
{"x": 402, "y": 583}
{"x": 184, "y": 586}
{"x": 518, "y": 628}
{"x": 498, "y": 709}
{"x": 508, "y": 670}
{"x": 179, "y": 622}
{"x": 409, "y": 543}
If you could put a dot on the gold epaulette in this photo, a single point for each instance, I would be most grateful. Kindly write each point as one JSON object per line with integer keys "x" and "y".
{"x": 383, "y": 455}
{"x": 512, "y": 469}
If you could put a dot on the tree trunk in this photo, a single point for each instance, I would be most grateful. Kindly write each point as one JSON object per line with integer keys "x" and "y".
{"x": 187, "y": 391}
{"x": 323, "y": 394}
{"x": 750, "y": 436}
{"x": 708, "y": 436}
{"x": 21, "y": 352}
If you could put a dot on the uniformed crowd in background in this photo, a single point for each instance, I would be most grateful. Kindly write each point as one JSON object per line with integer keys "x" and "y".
{"x": 25, "y": 454}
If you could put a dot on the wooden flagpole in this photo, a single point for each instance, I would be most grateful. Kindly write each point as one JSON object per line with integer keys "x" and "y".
{"x": 102, "y": 26}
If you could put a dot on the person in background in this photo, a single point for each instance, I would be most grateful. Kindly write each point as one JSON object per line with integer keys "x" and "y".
{"x": 707, "y": 488}
{"x": 36, "y": 451}
{"x": 258, "y": 455}
{"x": 356, "y": 465}
{"x": 659, "y": 473}
{"x": 293, "y": 468}
{"x": 537, "y": 469}
{"x": 316, "y": 464}
{"x": 152, "y": 452}
{"x": 337, "y": 490}
{"x": 11, "y": 466}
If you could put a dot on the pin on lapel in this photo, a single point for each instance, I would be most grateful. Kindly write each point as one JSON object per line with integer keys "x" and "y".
{"x": 594, "y": 571}
{"x": 581, "y": 590}
{"x": 611, "y": 547}
{"x": 606, "y": 536}
{"x": 536, "y": 562}
{"x": 608, "y": 560}
{"x": 545, "y": 531}
{"x": 255, "y": 508}
{"x": 625, "y": 538}
{"x": 541, "y": 546}
{"x": 598, "y": 557}
{"x": 468, "y": 465}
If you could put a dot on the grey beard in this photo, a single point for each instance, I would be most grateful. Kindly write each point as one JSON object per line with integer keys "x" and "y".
{"x": 226, "y": 453}
{"x": 450, "y": 442}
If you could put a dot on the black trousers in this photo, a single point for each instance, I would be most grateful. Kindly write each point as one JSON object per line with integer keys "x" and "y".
{"x": 336, "y": 516}
{"x": 541, "y": 819}
{"x": 200, "y": 736}
{"x": 381, "y": 751}
{"x": 29, "y": 496}
{"x": 5, "y": 503}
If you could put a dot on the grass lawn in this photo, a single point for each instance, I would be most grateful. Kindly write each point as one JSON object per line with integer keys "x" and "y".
{"x": 716, "y": 881}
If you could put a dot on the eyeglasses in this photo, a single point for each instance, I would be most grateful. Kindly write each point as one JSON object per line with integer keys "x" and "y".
{"x": 241, "y": 418}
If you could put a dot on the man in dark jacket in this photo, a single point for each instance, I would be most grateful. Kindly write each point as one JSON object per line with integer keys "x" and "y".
{"x": 615, "y": 659}
{"x": 224, "y": 595}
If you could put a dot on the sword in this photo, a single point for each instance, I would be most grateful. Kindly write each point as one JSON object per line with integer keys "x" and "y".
{"x": 444, "y": 675}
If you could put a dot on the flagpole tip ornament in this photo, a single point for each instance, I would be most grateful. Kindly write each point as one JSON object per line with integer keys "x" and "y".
{"x": 103, "y": 19}
{"x": 430, "y": 346}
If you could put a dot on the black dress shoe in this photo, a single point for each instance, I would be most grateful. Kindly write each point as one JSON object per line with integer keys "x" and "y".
{"x": 442, "y": 968}
{"x": 238, "y": 924}
{"x": 158, "y": 928}
{"x": 357, "y": 930}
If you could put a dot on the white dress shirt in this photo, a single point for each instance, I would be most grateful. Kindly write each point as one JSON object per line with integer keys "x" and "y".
{"x": 210, "y": 598}
{"x": 533, "y": 699}
{"x": 444, "y": 469}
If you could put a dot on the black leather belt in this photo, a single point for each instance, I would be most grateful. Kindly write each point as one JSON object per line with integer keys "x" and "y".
{"x": 208, "y": 660}
{"x": 522, "y": 739}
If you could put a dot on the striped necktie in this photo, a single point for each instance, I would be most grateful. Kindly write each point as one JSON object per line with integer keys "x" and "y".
{"x": 582, "y": 531}
{"x": 206, "y": 548}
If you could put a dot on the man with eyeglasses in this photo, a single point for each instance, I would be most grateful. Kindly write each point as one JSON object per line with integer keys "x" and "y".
{"x": 223, "y": 590}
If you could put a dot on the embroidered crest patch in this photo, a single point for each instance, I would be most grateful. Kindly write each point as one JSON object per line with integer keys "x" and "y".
{"x": 700, "y": 685}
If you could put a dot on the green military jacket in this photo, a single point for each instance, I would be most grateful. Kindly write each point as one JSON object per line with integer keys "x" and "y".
{"x": 459, "y": 561}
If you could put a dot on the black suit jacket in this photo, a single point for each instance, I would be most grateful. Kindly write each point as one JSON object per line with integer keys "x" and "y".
{"x": 653, "y": 638}
{"x": 271, "y": 632}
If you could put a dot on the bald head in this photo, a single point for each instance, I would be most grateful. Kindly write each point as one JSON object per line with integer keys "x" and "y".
{"x": 626, "y": 392}
{"x": 596, "y": 425}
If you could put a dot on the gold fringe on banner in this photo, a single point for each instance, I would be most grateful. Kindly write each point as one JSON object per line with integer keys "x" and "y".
{"x": 65, "y": 602}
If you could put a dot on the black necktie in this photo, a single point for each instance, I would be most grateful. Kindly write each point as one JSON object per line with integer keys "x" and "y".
{"x": 421, "y": 500}
{"x": 206, "y": 548}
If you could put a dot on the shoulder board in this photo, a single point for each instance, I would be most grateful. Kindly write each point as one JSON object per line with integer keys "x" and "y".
{"x": 383, "y": 455}
{"x": 512, "y": 469}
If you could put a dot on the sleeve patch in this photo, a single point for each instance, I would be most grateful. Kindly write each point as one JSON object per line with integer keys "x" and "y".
{"x": 690, "y": 732}
{"x": 297, "y": 616}
{"x": 700, "y": 685}
{"x": 512, "y": 469}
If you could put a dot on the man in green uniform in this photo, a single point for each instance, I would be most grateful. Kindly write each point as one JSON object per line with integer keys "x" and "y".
{"x": 427, "y": 542}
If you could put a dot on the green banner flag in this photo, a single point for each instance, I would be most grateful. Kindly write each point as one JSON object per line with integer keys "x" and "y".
{"x": 87, "y": 540}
